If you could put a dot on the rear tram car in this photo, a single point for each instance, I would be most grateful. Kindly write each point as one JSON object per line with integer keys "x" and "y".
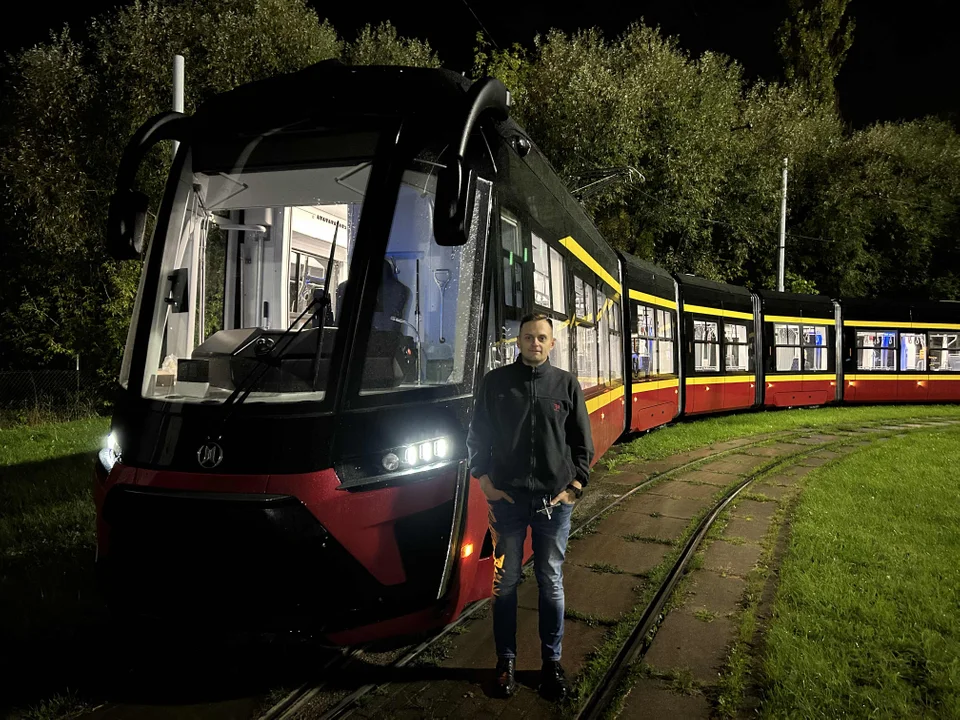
{"x": 327, "y": 280}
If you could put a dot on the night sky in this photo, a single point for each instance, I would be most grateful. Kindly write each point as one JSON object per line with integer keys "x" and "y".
{"x": 903, "y": 63}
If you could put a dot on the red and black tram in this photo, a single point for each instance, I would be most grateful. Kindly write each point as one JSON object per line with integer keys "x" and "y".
{"x": 900, "y": 352}
{"x": 653, "y": 357}
{"x": 800, "y": 349}
{"x": 720, "y": 346}
{"x": 329, "y": 275}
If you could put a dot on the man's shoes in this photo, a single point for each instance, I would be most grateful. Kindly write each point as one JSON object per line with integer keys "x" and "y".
{"x": 553, "y": 681}
{"x": 506, "y": 682}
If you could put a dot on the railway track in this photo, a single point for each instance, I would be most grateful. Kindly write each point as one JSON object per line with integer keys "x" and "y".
{"x": 290, "y": 705}
{"x": 609, "y": 688}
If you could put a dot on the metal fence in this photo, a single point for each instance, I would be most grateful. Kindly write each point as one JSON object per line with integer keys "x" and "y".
{"x": 47, "y": 394}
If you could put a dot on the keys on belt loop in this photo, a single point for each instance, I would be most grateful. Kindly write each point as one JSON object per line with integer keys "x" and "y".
{"x": 547, "y": 508}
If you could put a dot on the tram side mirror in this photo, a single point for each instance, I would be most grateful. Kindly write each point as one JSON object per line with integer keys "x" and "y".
{"x": 126, "y": 224}
{"x": 456, "y": 184}
{"x": 454, "y": 204}
{"x": 177, "y": 294}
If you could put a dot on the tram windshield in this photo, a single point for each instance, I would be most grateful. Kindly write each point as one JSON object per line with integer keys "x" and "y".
{"x": 255, "y": 263}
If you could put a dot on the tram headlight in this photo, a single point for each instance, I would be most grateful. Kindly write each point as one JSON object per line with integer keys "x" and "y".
{"x": 110, "y": 452}
{"x": 426, "y": 451}
{"x": 417, "y": 459}
{"x": 423, "y": 453}
{"x": 391, "y": 462}
{"x": 410, "y": 455}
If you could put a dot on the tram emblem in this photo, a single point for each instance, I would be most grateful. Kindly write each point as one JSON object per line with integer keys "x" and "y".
{"x": 210, "y": 455}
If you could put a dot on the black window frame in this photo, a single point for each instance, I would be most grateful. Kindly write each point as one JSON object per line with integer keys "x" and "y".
{"x": 587, "y": 320}
{"x": 656, "y": 339}
{"x": 930, "y": 348}
{"x": 858, "y": 347}
{"x": 747, "y": 343}
{"x": 561, "y": 319}
{"x": 718, "y": 322}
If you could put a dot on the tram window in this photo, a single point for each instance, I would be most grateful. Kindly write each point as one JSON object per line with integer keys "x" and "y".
{"x": 913, "y": 351}
{"x": 944, "y": 352}
{"x": 603, "y": 328}
{"x": 786, "y": 341}
{"x": 541, "y": 272}
{"x": 512, "y": 259}
{"x": 644, "y": 344}
{"x": 665, "y": 343}
{"x": 424, "y": 325}
{"x": 652, "y": 343}
{"x": 588, "y": 370}
{"x": 877, "y": 350}
{"x": 580, "y": 300}
{"x": 560, "y": 357}
{"x": 736, "y": 349}
{"x": 616, "y": 344}
{"x": 815, "y": 348}
{"x": 558, "y": 282}
{"x": 213, "y": 280}
{"x": 706, "y": 346}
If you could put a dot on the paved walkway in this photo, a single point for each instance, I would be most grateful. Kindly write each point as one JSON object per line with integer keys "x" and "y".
{"x": 604, "y": 577}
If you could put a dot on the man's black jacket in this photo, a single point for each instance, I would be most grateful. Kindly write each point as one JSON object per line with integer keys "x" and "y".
{"x": 530, "y": 429}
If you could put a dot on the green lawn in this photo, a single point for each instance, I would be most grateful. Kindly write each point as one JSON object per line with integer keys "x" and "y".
{"x": 699, "y": 432}
{"x": 47, "y": 543}
{"x": 867, "y": 617}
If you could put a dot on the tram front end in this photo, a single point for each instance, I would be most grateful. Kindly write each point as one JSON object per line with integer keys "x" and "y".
{"x": 288, "y": 447}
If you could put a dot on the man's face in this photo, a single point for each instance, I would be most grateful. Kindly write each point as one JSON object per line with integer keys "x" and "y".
{"x": 536, "y": 341}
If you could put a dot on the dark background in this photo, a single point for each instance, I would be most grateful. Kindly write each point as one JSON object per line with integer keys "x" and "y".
{"x": 904, "y": 63}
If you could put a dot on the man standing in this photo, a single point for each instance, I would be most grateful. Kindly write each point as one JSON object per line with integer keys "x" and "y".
{"x": 530, "y": 447}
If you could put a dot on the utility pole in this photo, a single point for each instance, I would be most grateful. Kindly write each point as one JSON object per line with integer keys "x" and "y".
{"x": 177, "y": 93}
{"x": 783, "y": 230}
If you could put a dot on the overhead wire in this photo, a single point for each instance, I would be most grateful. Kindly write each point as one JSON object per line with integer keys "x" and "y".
{"x": 485, "y": 31}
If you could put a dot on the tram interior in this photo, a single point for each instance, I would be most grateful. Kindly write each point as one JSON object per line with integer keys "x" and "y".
{"x": 252, "y": 258}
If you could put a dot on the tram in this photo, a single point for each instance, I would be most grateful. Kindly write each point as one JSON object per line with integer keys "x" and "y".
{"x": 327, "y": 280}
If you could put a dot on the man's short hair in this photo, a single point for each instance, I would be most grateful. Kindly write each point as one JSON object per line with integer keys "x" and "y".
{"x": 534, "y": 317}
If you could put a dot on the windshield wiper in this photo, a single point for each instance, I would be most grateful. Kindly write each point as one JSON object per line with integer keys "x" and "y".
{"x": 273, "y": 357}
{"x": 264, "y": 363}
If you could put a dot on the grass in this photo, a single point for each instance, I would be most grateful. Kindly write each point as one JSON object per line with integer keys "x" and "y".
{"x": 740, "y": 667}
{"x": 47, "y": 541}
{"x": 606, "y": 568}
{"x": 638, "y": 537}
{"x": 867, "y": 617}
{"x": 690, "y": 435}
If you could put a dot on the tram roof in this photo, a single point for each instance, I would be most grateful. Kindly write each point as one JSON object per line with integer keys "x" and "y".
{"x": 332, "y": 88}
{"x": 646, "y": 277}
{"x": 433, "y": 96}
{"x": 787, "y": 303}
{"x": 893, "y": 311}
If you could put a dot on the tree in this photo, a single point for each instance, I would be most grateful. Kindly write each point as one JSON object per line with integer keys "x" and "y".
{"x": 814, "y": 41}
{"x": 69, "y": 109}
{"x": 382, "y": 46}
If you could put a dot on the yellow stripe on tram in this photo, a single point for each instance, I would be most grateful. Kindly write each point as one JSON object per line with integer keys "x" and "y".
{"x": 721, "y": 379}
{"x": 795, "y": 378}
{"x": 799, "y": 320}
{"x": 904, "y": 325}
{"x": 652, "y": 299}
{"x": 587, "y": 259}
{"x": 645, "y": 386}
{"x": 919, "y": 377}
{"x": 595, "y": 403}
{"x": 704, "y": 310}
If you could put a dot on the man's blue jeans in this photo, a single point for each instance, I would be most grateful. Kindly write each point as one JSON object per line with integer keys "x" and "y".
{"x": 508, "y": 523}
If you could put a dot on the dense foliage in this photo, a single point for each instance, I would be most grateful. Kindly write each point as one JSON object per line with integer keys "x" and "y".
{"x": 873, "y": 211}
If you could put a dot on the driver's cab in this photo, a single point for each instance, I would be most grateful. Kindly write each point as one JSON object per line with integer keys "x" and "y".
{"x": 271, "y": 269}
